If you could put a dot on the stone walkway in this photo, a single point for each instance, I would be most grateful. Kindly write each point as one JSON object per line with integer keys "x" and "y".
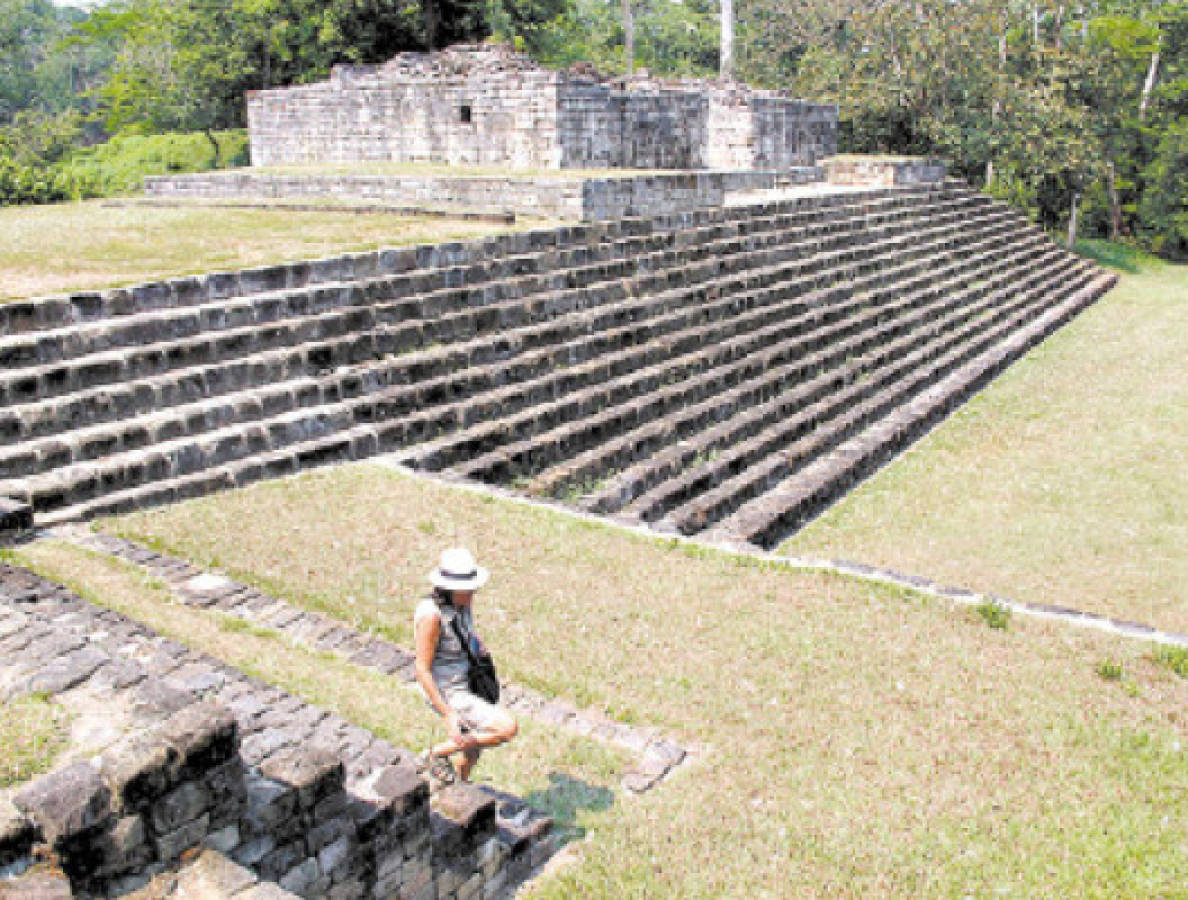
{"x": 656, "y": 756}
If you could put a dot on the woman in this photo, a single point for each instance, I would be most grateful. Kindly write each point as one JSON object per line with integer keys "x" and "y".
{"x": 440, "y": 624}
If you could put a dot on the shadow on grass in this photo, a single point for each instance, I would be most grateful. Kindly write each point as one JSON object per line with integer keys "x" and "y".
{"x": 564, "y": 798}
{"x": 1116, "y": 256}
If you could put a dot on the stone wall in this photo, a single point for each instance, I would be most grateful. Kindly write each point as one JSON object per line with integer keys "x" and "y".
{"x": 585, "y": 199}
{"x": 490, "y": 106}
{"x": 212, "y": 758}
{"x": 485, "y": 117}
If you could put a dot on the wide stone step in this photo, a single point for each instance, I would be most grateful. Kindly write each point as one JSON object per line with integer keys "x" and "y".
{"x": 741, "y": 409}
{"x": 52, "y": 312}
{"x": 756, "y": 467}
{"x": 788, "y": 506}
{"x": 695, "y": 464}
{"x": 75, "y": 484}
{"x": 758, "y": 379}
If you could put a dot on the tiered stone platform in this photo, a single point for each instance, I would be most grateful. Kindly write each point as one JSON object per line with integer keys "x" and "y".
{"x": 724, "y": 372}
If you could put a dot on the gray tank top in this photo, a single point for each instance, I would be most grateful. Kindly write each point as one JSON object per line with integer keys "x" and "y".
{"x": 451, "y": 665}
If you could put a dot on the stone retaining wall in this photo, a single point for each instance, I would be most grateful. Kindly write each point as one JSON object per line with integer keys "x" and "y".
{"x": 577, "y": 199}
{"x": 216, "y": 759}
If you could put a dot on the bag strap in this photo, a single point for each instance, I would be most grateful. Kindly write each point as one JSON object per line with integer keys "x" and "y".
{"x": 463, "y": 639}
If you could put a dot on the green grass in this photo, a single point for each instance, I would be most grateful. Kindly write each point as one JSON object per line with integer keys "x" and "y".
{"x": 865, "y": 741}
{"x": 86, "y": 246}
{"x": 568, "y": 776}
{"x": 1062, "y": 482}
{"x": 33, "y": 732}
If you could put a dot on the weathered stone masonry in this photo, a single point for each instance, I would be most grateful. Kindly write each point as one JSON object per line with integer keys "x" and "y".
{"x": 489, "y": 106}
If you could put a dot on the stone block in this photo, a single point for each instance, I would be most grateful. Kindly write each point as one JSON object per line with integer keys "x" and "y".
{"x": 137, "y": 768}
{"x": 285, "y": 857}
{"x": 337, "y": 854}
{"x": 204, "y": 735}
{"x": 16, "y": 518}
{"x": 173, "y": 844}
{"x": 66, "y": 803}
{"x": 314, "y": 773}
{"x": 41, "y": 883}
{"x": 123, "y": 847}
{"x": 302, "y": 878}
{"x": 213, "y": 875}
{"x": 185, "y": 803}
{"x": 225, "y": 840}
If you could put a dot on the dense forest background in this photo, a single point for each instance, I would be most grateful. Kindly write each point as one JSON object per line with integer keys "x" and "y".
{"x": 1075, "y": 112}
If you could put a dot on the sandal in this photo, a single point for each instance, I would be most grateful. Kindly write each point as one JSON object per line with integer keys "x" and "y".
{"x": 439, "y": 769}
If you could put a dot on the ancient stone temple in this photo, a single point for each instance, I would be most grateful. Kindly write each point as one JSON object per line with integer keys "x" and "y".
{"x": 488, "y": 105}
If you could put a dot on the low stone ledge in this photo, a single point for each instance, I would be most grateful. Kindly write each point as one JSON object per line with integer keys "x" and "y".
{"x": 884, "y": 171}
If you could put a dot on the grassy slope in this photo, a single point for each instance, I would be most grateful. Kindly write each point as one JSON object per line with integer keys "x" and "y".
{"x": 84, "y": 246}
{"x": 864, "y": 741}
{"x": 1065, "y": 481}
{"x": 382, "y": 704}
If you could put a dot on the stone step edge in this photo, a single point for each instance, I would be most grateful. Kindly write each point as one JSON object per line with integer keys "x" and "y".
{"x": 752, "y": 524}
{"x": 350, "y": 443}
{"x": 657, "y": 494}
{"x": 657, "y": 756}
{"x": 736, "y": 549}
{"x": 282, "y": 356}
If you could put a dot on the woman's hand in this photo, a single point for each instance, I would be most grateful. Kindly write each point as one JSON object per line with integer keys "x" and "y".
{"x": 462, "y": 738}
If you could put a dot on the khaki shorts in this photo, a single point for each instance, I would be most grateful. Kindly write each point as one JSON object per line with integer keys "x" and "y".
{"x": 476, "y": 713}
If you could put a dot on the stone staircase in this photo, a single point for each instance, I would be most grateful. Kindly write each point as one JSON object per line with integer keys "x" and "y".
{"x": 726, "y": 372}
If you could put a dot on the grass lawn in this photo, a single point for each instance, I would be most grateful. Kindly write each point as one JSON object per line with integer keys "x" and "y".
{"x": 33, "y": 731}
{"x": 865, "y": 741}
{"x": 84, "y": 246}
{"x": 564, "y": 774}
{"x": 1065, "y": 481}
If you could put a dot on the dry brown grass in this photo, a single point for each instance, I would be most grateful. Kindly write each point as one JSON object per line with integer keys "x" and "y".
{"x": 866, "y": 741}
{"x": 85, "y": 246}
{"x": 1066, "y": 481}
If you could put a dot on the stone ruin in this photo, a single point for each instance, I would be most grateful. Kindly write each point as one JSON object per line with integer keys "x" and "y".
{"x": 486, "y": 105}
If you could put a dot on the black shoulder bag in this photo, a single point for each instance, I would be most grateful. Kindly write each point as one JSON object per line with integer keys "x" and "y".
{"x": 483, "y": 681}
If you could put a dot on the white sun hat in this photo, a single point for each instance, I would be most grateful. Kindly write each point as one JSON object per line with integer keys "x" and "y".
{"x": 457, "y": 571}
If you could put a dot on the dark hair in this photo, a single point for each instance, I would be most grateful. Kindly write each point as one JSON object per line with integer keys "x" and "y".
{"x": 443, "y": 595}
